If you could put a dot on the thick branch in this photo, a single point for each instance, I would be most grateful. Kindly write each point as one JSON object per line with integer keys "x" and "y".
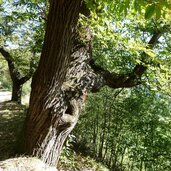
{"x": 13, "y": 70}
{"x": 131, "y": 79}
{"x": 154, "y": 39}
{"x": 25, "y": 78}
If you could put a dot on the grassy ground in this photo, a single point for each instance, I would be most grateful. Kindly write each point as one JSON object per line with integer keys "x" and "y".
{"x": 78, "y": 162}
{"x": 11, "y": 124}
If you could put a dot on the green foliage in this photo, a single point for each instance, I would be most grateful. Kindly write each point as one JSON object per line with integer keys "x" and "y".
{"x": 21, "y": 21}
{"x": 22, "y": 33}
{"x": 75, "y": 161}
{"x": 120, "y": 8}
{"x": 127, "y": 129}
{"x": 121, "y": 31}
{"x": 121, "y": 42}
{"x": 5, "y": 80}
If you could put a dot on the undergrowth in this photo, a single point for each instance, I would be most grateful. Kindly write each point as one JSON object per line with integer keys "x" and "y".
{"x": 12, "y": 118}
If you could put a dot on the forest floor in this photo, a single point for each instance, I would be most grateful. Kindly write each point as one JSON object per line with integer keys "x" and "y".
{"x": 12, "y": 118}
{"x": 11, "y": 122}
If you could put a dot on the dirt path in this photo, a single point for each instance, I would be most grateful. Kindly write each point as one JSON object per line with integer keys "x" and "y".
{"x": 12, "y": 118}
{"x": 5, "y": 96}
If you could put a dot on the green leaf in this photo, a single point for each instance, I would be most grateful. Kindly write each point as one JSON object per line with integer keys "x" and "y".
{"x": 158, "y": 12}
{"x": 137, "y": 6}
{"x": 158, "y": 9}
{"x": 167, "y": 4}
{"x": 150, "y": 53}
{"x": 121, "y": 8}
{"x": 150, "y": 10}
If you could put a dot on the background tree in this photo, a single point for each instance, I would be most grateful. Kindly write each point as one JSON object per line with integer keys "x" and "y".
{"x": 19, "y": 42}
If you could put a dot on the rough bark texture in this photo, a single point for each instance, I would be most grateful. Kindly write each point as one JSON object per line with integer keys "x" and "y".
{"x": 52, "y": 113}
{"x": 16, "y": 92}
{"x": 17, "y": 79}
{"x": 62, "y": 80}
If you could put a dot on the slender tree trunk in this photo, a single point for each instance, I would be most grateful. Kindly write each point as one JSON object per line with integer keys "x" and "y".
{"x": 16, "y": 91}
{"x": 103, "y": 131}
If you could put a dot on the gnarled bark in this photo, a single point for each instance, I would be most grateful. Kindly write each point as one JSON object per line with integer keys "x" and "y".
{"x": 65, "y": 73}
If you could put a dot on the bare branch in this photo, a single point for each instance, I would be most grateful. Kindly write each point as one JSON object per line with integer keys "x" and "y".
{"x": 6, "y": 55}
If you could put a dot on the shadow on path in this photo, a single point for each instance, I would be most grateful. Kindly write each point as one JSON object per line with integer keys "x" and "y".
{"x": 11, "y": 123}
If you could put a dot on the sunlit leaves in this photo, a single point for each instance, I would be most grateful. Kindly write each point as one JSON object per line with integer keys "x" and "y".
{"x": 121, "y": 33}
{"x": 20, "y": 22}
{"x": 150, "y": 11}
{"x": 137, "y": 119}
{"x": 120, "y": 8}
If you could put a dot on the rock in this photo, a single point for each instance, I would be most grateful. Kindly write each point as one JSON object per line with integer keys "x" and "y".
{"x": 24, "y": 164}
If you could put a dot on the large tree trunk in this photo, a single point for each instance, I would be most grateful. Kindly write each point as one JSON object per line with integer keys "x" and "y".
{"x": 53, "y": 112}
{"x": 65, "y": 73}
